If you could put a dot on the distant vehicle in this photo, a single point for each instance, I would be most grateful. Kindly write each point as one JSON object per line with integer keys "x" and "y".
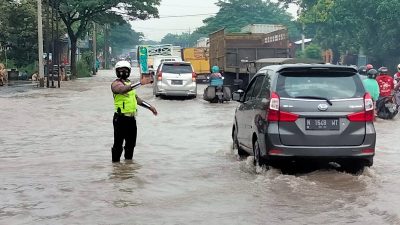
{"x": 157, "y": 60}
{"x": 175, "y": 79}
{"x": 295, "y": 112}
{"x": 146, "y": 55}
{"x": 200, "y": 60}
{"x": 230, "y": 51}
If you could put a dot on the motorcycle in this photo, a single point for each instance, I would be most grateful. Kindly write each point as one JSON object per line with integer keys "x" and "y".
{"x": 216, "y": 92}
{"x": 387, "y": 107}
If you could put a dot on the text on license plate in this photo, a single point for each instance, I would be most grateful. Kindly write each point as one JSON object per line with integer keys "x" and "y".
{"x": 322, "y": 124}
{"x": 176, "y": 82}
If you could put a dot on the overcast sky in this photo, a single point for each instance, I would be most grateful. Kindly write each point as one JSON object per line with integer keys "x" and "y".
{"x": 156, "y": 29}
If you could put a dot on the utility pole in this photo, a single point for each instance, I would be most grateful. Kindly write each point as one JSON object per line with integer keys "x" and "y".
{"x": 40, "y": 43}
{"x": 106, "y": 46}
{"x": 94, "y": 50}
{"x": 302, "y": 38}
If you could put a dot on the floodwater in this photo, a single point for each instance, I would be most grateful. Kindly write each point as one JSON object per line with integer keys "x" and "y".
{"x": 55, "y": 167}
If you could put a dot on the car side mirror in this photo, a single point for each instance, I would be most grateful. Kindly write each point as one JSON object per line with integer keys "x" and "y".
{"x": 238, "y": 95}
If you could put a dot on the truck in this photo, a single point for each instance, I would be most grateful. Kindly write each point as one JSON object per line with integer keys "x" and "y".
{"x": 147, "y": 54}
{"x": 199, "y": 58}
{"x": 231, "y": 52}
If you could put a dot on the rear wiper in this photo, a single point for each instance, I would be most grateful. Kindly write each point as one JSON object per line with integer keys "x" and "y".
{"x": 316, "y": 97}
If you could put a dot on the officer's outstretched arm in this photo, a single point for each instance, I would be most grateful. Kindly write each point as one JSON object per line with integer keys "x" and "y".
{"x": 146, "y": 105}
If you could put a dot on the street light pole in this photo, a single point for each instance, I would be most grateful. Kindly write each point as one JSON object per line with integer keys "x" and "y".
{"x": 40, "y": 43}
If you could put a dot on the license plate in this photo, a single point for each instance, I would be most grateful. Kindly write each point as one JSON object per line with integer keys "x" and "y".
{"x": 176, "y": 82}
{"x": 322, "y": 124}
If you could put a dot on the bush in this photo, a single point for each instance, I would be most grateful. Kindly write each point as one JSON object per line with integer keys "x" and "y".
{"x": 83, "y": 68}
{"x": 313, "y": 52}
{"x": 85, "y": 64}
{"x": 30, "y": 69}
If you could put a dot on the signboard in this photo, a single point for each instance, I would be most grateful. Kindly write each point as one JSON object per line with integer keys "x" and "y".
{"x": 82, "y": 43}
{"x": 143, "y": 59}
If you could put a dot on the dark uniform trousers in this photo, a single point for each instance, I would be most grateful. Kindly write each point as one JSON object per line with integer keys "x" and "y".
{"x": 124, "y": 129}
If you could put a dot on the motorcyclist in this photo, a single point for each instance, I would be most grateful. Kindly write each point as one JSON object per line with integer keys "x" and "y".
{"x": 126, "y": 102}
{"x": 362, "y": 70}
{"x": 371, "y": 85}
{"x": 385, "y": 82}
{"x": 397, "y": 76}
{"x": 369, "y": 67}
{"x": 216, "y": 77}
{"x": 397, "y": 85}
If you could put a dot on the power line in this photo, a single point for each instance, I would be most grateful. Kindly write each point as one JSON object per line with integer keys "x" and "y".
{"x": 152, "y": 28}
{"x": 205, "y": 14}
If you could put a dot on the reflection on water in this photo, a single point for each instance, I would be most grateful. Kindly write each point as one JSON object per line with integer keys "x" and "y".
{"x": 124, "y": 170}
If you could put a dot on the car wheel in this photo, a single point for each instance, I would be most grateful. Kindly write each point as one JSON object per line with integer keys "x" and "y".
{"x": 258, "y": 160}
{"x": 241, "y": 152}
{"x": 355, "y": 167}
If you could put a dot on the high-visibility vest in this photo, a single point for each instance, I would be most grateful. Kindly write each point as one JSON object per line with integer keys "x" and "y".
{"x": 126, "y": 102}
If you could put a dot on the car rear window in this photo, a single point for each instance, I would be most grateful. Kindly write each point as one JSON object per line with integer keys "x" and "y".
{"x": 177, "y": 68}
{"x": 319, "y": 84}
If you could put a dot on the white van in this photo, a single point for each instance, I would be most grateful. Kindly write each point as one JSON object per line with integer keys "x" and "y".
{"x": 161, "y": 58}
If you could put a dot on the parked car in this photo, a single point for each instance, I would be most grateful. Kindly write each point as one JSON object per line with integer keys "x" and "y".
{"x": 175, "y": 79}
{"x": 305, "y": 111}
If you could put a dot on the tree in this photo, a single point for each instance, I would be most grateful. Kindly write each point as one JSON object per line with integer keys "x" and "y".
{"x": 354, "y": 25}
{"x": 184, "y": 39}
{"x": 18, "y": 31}
{"x": 235, "y": 14}
{"x": 76, "y": 16}
{"x": 313, "y": 52}
{"x": 124, "y": 37}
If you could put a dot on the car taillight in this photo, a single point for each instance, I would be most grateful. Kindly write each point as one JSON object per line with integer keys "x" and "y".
{"x": 275, "y": 114}
{"x": 367, "y": 115}
{"x": 194, "y": 76}
{"x": 369, "y": 151}
{"x": 159, "y": 75}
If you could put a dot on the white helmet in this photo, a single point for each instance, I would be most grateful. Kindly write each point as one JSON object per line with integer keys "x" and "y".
{"x": 398, "y": 68}
{"x": 120, "y": 65}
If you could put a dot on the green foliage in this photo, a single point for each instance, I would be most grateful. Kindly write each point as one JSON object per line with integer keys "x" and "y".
{"x": 85, "y": 64}
{"x": 30, "y": 69}
{"x": 184, "y": 40}
{"x": 313, "y": 51}
{"x": 18, "y": 31}
{"x": 150, "y": 42}
{"x": 352, "y": 26}
{"x": 76, "y": 15}
{"x": 83, "y": 69}
{"x": 124, "y": 37}
{"x": 235, "y": 14}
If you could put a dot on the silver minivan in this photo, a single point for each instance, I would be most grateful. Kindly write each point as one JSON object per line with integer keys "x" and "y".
{"x": 175, "y": 79}
{"x": 298, "y": 112}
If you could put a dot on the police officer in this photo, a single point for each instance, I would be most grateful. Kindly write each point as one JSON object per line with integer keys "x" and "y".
{"x": 126, "y": 102}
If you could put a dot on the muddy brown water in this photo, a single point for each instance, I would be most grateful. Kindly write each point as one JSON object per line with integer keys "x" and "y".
{"x": 55, "y": 167}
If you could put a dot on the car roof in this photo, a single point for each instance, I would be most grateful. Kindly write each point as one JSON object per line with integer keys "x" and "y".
{"x": 176, "y": 62}
{"x": 307, "y": 67}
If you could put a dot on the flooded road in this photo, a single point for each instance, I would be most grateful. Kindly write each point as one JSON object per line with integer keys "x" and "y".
{"x": 55, "y": 167}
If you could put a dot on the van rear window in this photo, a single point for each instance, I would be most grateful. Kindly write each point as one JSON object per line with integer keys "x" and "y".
{"x": 327, "y": 85}
{"x": 177, "y": 68}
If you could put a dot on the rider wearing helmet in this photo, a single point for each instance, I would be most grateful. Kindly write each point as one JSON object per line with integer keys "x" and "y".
{"x": 397, "y": 75}
{"x": 216, "y": 77}
{"x": 362, "y": 70}
{"x": 126, "y": 102}
{"x": 385, "y": 82}
{"x": 371, "y": 85}
{"x": 369, "y": 67}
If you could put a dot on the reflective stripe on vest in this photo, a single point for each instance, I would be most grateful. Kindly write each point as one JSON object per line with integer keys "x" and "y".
{"x": 126, "y": 102}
